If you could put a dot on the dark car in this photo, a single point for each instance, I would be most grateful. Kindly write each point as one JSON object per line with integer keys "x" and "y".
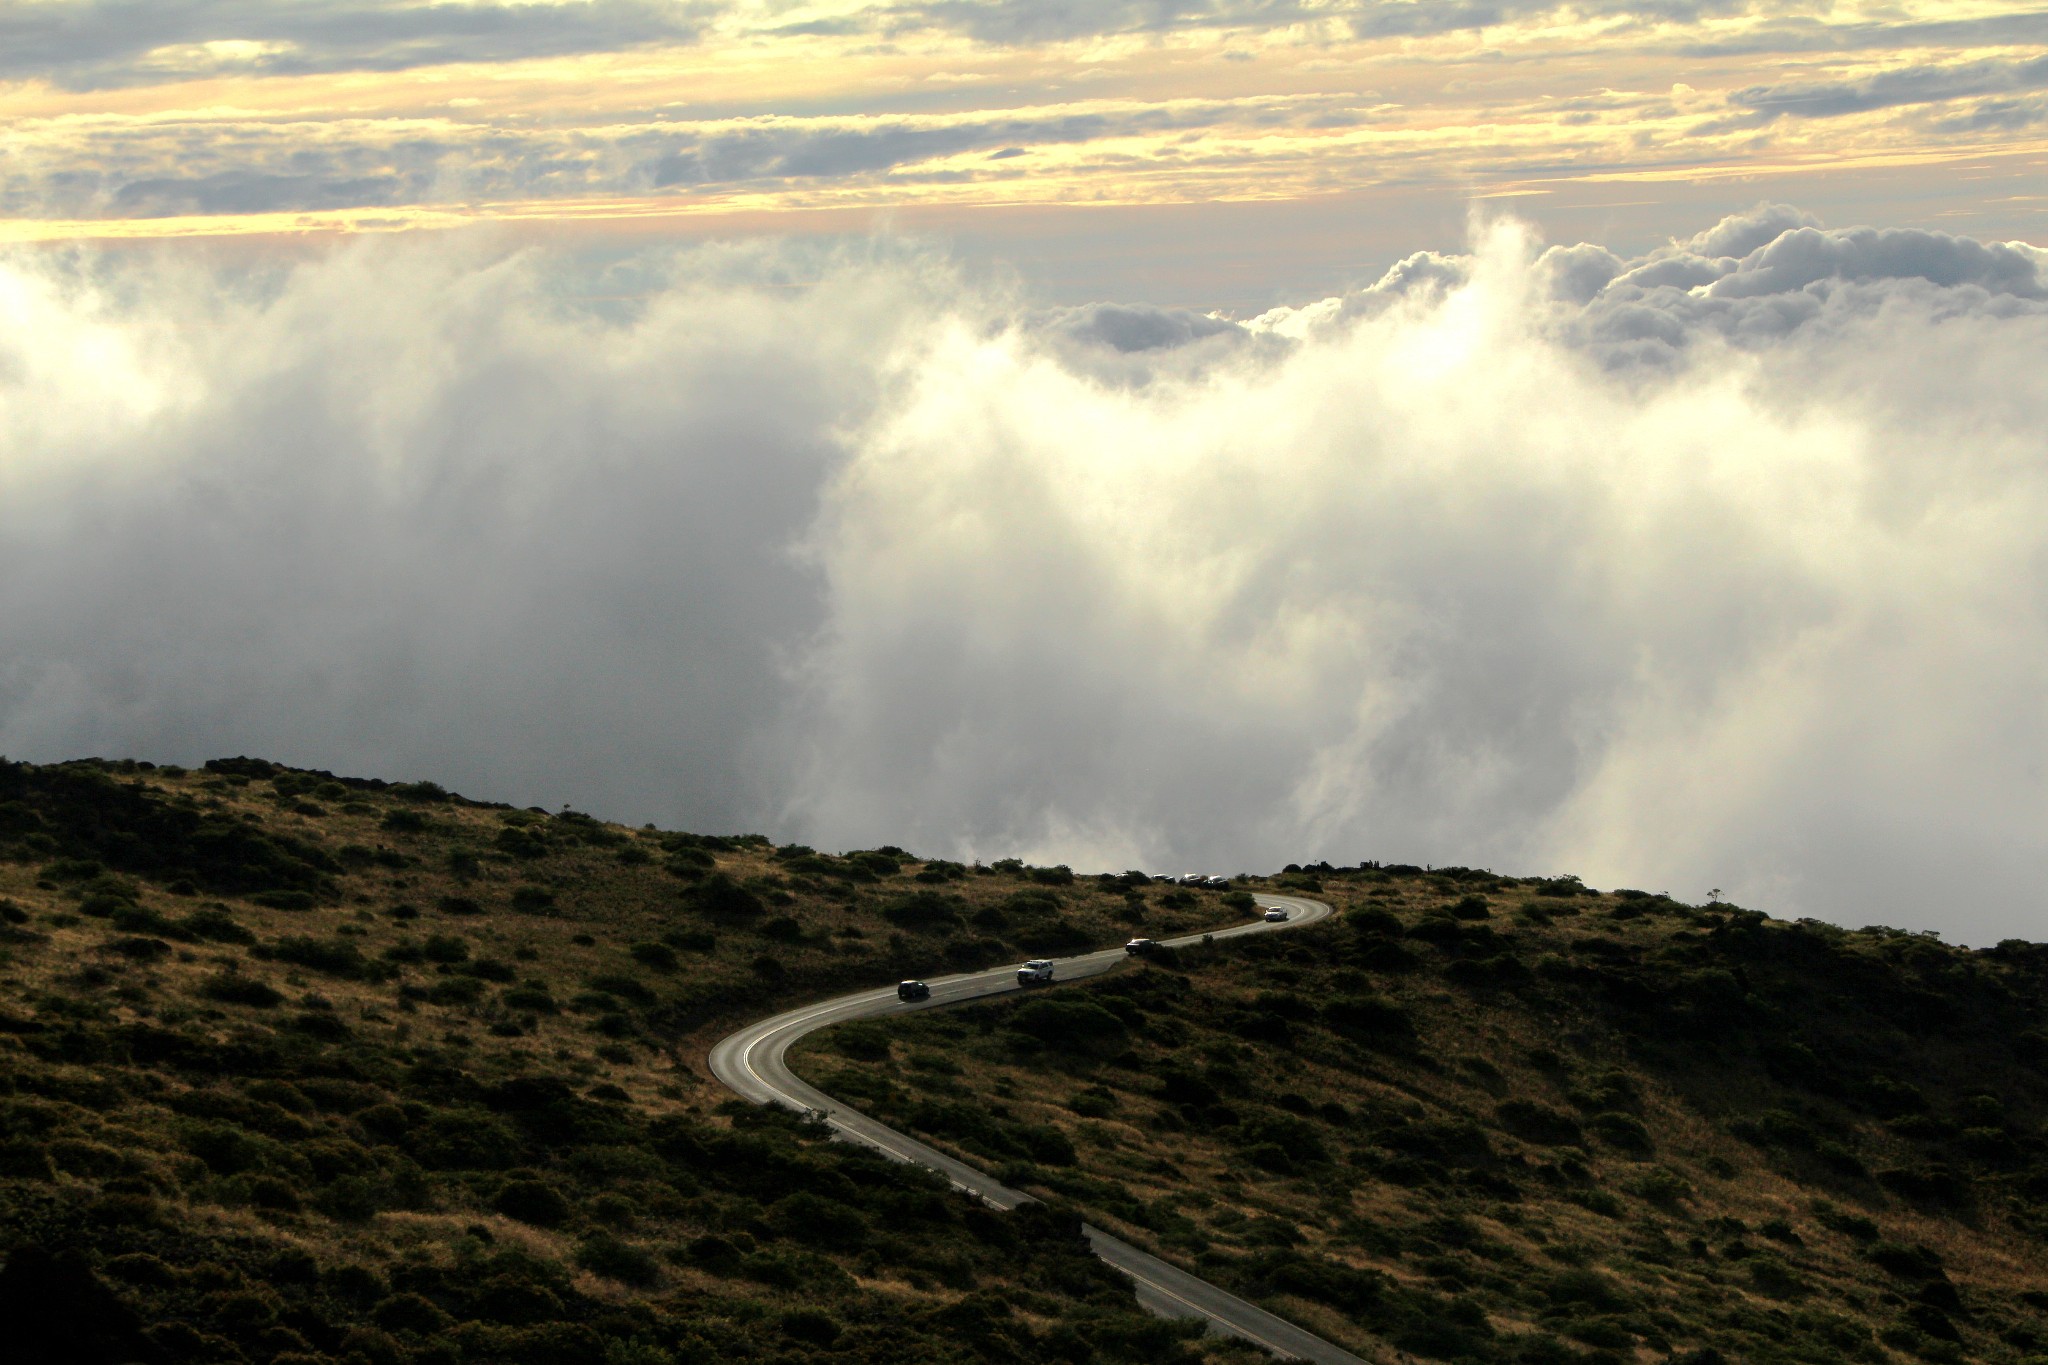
{"x": 913, "y": 990}
{"x": 1142, "y": 947}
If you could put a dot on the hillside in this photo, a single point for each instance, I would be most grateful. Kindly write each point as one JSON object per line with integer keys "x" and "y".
{"x": 297, "y": 1069}
{"x": 1495, "y": 1119}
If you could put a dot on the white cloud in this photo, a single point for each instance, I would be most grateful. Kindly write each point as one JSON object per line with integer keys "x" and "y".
{"x": 1550, "y": 562}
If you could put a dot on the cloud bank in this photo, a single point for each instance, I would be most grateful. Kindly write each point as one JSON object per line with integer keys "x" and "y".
{"x": 1721, "y": 567}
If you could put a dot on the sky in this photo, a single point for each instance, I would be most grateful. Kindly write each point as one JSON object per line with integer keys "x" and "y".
{"x": 1176, "y": 434}
{"x": 1202, "y": 153}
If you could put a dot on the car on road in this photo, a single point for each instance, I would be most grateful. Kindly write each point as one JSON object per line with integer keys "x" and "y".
{"x": 1142, "y": 947}
{"x": 1035, "y": 972}
{"x": 1276, "y": 916}
{"x": 913, "y": 990}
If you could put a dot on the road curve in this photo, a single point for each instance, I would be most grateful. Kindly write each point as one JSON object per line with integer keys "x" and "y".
{"x": 753, "y": 1062}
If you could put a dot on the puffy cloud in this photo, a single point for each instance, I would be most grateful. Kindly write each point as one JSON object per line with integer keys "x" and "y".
{"x": 1727, "y": 575}
{"x": 1741, "y": 233}
{"x": 404, "y": 510}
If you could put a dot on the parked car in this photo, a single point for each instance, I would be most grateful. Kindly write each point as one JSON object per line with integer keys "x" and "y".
{"x": 1219, "y": 883}
{"x": 1192, "y": 879}
{"x": 1142, "y": 947}
{"x": 913, "y": 990}
{"x": 1276, "y": 916}
{"x": 1034, "y": 972}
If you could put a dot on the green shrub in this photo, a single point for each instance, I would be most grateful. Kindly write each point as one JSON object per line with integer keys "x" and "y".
{"x": 1372, "y": 921}
{"x": 1624, "y": 1132}
{"x": 533, "y": 900}
{"x": 924, "y": 912}
{"x": 1044, "y": 1144}
{"x": 331, "y": 957}
{"x": 720, "y": 897}
{"x": 464, "y": 1139}
{"x": 1538, "y": 1123}
{"x": 536, "y": 999}
{"x": 1853, "y": 1225}
{"x": 1470, "y": 908}
{"x": 1055, "y": 937}
{"x": 613, "y": 1210}
{"x": 1774, "y": 1279}
{"x": 1662, "y": 1187}
{"x": 456, "y": 990}
{"x": 520, "y": 842}
{"x": 604, "y": 1254}
{"x": 1369, "y": 1016}
{"x": 811, "y": 1326}
{"x": 445, "y": 948}
{"x": 622, "y": 985}
{"x": 818, "y": 1221}
{"x": 24, "y": 1159}
{"x": 232, "y": 988}
{"x": 139, "y": 949}
{"x": 1915, "y": 1262}
{"x": 862, "y": 1041}
{"x": 215, "y": 926}
{"x": 659, "y": 956}
{"x": 1071, "y": 1025}
{"x": 410, "y": 1313}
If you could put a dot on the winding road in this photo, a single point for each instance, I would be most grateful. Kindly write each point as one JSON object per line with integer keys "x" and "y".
{"x": 754, "y": 1063}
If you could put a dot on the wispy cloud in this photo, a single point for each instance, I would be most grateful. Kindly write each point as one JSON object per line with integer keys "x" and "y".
{"x": 96, "y": 44}
{"x": 1930, "y": 84}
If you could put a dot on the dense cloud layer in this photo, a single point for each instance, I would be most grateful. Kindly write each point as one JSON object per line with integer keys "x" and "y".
{"x": 1721, "y": 567}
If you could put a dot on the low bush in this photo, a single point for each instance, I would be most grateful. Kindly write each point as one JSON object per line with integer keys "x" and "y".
{"x": 613, "y": 1259}
{"x": 1537, "y": 1123}
{"x": 659, "y": 956}
{"x": 232, "y": 988}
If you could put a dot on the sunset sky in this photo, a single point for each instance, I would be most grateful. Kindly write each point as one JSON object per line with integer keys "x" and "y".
{"x": 1176, "y": 141}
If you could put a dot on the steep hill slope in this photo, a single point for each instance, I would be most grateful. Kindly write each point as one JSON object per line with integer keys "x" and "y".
{"x": 1491, "y": 1119}
{"x": 297, "y": 1069}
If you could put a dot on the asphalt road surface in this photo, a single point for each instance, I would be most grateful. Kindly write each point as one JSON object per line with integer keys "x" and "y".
{"x": 753, "y": 1062}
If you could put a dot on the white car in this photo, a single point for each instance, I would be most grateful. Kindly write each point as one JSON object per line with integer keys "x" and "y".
{"x": 1276, "y": 916}
{"x": 1035, "y": 972}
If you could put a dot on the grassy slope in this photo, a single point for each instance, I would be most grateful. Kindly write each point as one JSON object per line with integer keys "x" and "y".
{"x": 1474, "y": 1118}
{"x": 302, "y": 1069}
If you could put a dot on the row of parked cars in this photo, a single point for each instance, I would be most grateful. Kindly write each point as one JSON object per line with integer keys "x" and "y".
{"x": 1039, "y": 970}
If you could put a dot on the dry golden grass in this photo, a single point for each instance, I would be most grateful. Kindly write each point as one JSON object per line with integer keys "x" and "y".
{"x": 1191, "y": 1193}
